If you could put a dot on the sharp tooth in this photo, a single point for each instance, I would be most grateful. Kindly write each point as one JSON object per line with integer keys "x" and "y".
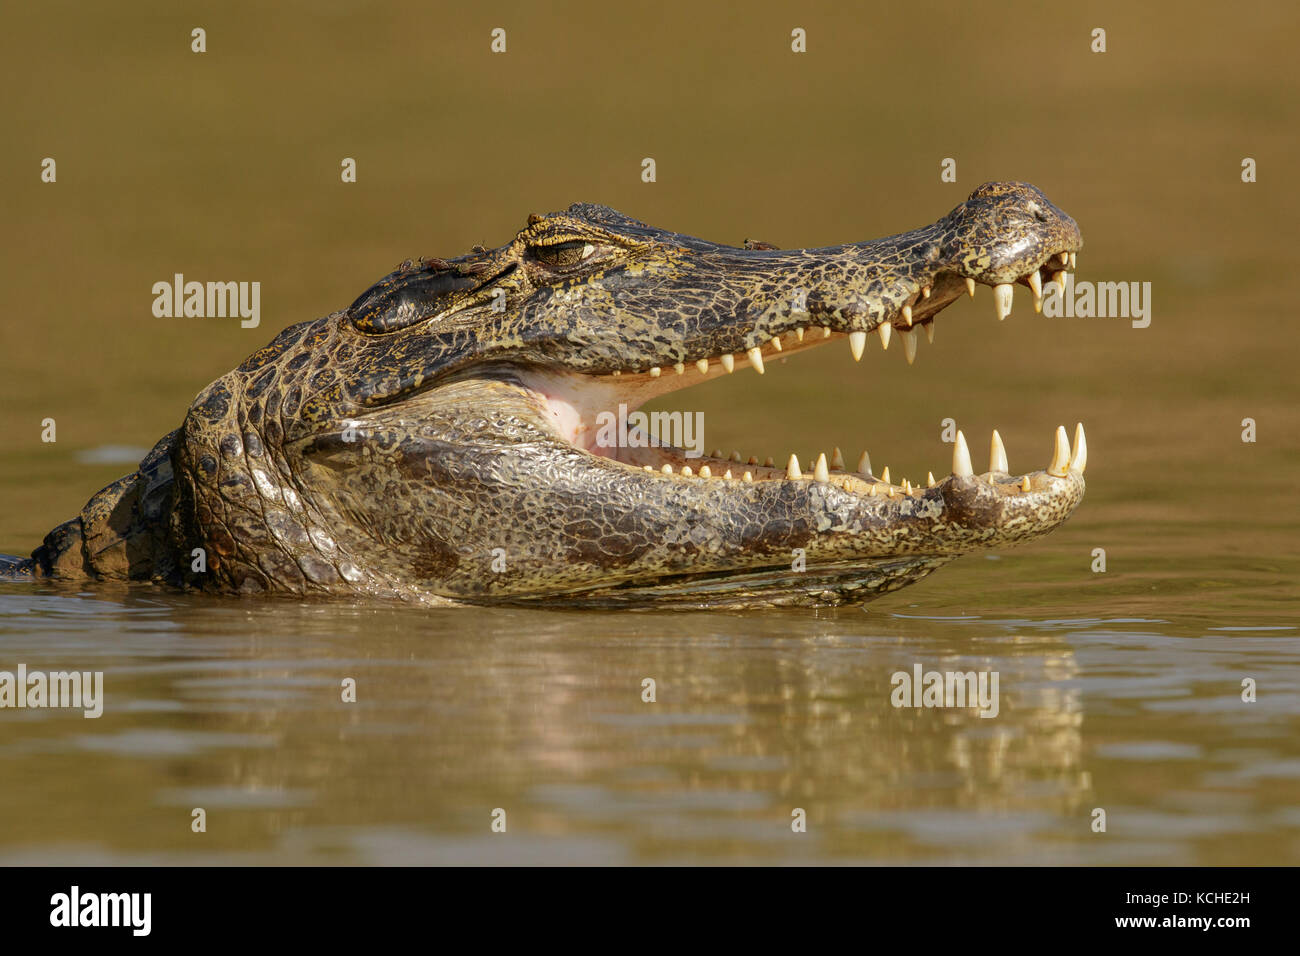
{"x": 667, "y": 469}
{"x": 717, "y": 453}
{"x": 686, "y": 470}
{"x": 820, "y": 472}
{"x": 907, "y": 487}
{"x": 1024, "y": 483}
{"x": 654, "y": 372}
{"x": 615, "y": 373}
{"x": 889, "y": 490}
{"x": 792, "y": 469}
{"x": 747, "y": 477}
{"x": 925, "y": 292}
{"x": 647, "y": 467}
{"x": 756, "y": 359}
{"x": 1074, "y": 260}
{"x": 703, "y": 366}
{"x": 768, "y": 462}
{"x": 1059, "y": 279}
{"x": 857, "y": 342}
{"x": 1060, "y": 454}
{"x": 1079, "y": 454}
{"x": 728, "y": 362}
{"x": 727, "y": 473}
{"x": 909, "y": 345}
{"x": 884, "y": 475}
{"x": 776, "y": 342}
{"x": 929, "y": 331}
{"x": 970, "y": 287}
{"x": 871, "y": 491}
{"x": 752, "y": 460}
{"x": 837, "y": 459}
{"x": 997, "y": 454}
{"x": 706, "y": 471}
{"x": 1036, "y": 284}
{"x": 929, "y": 479}
{"x": 864, "y": 464}
{"x": 798, "y": 333}
{"x": 826, "y": 332}
{"x": 961, "y": 466}
{"x": 1002, "y": 294}
{"x": 1065, "y": 258}
{"x": 735, "y": 456}
{"x": 679, "y": 368}
{"x": 907, "y": 316}
{"x": 884, "y": 330}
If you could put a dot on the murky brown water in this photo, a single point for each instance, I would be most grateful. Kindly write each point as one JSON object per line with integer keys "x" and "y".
{"x": 1119, "y": 690}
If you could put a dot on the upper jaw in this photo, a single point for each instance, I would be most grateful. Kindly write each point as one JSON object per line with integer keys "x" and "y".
{"x": 913, "y": 305}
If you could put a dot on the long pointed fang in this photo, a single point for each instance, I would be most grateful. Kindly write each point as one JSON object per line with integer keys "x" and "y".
{"x": 961, "y": 466}
{"x": 857, "y": 342}
{"x": 1079, "y": 454}
{"x": 1060, "y": 454}
{"x": 1036, "y": 284}
{"x": 1002, "y": 296}
{"x": 909, "y": 345}
{"x": 998, "y": 454}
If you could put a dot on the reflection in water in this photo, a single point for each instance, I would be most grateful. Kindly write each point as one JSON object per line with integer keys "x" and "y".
{"x": 1119, "y": 690}
{"x": 236, "y": 707}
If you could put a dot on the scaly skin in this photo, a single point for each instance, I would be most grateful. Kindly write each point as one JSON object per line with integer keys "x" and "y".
{"x": 437, "y": 440}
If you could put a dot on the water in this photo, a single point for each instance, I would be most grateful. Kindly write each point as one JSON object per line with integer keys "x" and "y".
{"x": 1119, "y": 690}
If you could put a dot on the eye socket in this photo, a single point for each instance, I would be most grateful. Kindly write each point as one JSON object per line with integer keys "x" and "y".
{"x": 562, "y": 255}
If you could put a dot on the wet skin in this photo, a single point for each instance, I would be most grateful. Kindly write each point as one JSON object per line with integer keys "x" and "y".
{"x": 439, "y": 439}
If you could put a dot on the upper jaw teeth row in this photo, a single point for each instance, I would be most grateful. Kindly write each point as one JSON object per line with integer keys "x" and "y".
{"x": 1002, "y": 297}
{"x": 1065, "y": 459}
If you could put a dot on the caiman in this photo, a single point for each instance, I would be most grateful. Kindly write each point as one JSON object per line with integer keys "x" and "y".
{"x": 438, "y": 439}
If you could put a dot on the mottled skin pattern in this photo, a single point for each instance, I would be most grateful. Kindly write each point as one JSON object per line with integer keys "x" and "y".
{"x": 434, "y": 440}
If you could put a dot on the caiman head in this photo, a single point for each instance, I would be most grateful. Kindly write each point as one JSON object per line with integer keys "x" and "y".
{"x": 452, "y": 435}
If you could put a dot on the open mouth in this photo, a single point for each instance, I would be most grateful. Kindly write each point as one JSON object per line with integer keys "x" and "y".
{"x": 575, "y": 403}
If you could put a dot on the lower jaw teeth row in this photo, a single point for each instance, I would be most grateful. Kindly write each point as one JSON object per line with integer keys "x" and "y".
{"x": 1064, "y": 460}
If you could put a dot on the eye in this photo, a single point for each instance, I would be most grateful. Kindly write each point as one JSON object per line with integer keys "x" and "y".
{"x": 562, "y": 255}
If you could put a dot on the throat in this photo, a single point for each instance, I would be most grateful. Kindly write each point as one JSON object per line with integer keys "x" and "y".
{"x": 580, "y": 408}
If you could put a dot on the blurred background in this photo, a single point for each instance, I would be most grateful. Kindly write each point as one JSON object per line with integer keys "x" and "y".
{"x": 225, "y": 165}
